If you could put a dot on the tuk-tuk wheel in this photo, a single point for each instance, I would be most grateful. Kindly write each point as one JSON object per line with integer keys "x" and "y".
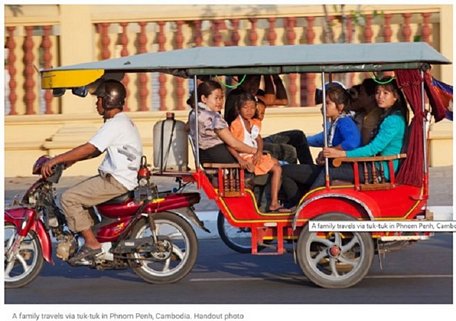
{"x": 238, "y": 239}
{"x": 335, "y": 259}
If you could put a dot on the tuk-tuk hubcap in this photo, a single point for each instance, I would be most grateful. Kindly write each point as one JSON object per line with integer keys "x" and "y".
{"x": 334, "y": 251}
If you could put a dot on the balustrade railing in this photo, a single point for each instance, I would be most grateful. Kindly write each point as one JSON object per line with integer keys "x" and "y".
{"x": 28, "y": 49}
{"x": 31, "y": 47}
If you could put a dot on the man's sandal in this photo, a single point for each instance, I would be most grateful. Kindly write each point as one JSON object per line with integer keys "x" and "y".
{"x": 85, "y": 253}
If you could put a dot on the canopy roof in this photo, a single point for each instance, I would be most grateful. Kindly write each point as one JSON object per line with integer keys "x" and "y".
{"x": 252, "y": 60}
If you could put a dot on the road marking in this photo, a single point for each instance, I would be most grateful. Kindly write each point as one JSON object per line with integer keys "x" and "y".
{"x": 412, "y": 276}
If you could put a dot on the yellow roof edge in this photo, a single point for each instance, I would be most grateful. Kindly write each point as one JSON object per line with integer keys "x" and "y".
{"x": 69, "y": 78}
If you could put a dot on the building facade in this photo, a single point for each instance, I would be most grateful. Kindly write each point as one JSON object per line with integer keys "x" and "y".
{"x": 44, "y": 36}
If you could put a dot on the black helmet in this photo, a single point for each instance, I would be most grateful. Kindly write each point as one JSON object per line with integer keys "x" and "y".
{"x": 112, "y": 92}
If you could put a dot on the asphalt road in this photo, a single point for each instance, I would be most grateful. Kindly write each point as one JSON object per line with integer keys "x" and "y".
{"x": 223, "y": 281}
{"x": 419, "y": 274}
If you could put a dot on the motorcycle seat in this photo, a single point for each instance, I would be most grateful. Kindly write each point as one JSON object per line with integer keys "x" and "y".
{"x": 120, "y": 199}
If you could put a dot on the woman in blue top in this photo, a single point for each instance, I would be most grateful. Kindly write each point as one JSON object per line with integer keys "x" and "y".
{"x": 342, "y": 134}
{"x": 388, "y": 140}
{"x": 342, "y": 130}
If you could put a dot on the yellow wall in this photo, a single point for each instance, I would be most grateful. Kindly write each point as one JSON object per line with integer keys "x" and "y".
{"x": 28, "y": 136}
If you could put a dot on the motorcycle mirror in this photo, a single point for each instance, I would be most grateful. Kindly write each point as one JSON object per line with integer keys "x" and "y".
{"x": 58, "y": 92}
{"x": 80, "y": 91}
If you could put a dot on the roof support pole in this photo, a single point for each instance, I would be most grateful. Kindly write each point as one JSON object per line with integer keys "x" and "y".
{"x": 195, "y": 91}
{"x": 425, "y": 127}
{"x": 325, "y": 126}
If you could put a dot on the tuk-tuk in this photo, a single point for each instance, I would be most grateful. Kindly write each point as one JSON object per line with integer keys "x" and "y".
{"x": 337, "y": 259}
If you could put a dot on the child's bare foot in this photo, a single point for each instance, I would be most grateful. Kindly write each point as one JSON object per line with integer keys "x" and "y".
{"x": 279, "y": 209}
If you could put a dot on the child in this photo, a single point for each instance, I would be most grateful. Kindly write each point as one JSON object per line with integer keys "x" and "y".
{"x": 246, "y": 127}
{"x": 342, "y": 130}
{"x": 213, "y": 132}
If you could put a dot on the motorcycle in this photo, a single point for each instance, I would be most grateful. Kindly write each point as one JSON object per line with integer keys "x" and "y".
{"x": 145, "y": 230}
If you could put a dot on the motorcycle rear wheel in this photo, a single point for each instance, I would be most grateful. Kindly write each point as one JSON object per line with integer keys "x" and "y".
{"x": 27, "y": 264}
{"x": 176, "y": 252}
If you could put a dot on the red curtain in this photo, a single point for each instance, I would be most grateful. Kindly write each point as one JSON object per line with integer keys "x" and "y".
{"x": 438, "y": 107}
{"x": 411, "y": 171}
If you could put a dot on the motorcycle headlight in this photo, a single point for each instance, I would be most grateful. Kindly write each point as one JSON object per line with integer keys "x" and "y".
{"x": 24, "y": 223}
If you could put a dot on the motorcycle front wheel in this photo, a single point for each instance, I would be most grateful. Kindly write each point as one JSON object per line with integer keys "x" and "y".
{"x": 174, "y": 254}
{"x": 25, "y": 266}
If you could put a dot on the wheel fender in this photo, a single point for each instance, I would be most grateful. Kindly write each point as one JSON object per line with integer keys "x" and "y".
{"x": 366, "y": 202}
{"x": 16, "y": 217}
{"x": 189, "y": 215}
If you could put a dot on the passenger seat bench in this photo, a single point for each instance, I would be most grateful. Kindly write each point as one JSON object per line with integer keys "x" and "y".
{"x": 375, "y": 163}
{"x": 231, "y": 178}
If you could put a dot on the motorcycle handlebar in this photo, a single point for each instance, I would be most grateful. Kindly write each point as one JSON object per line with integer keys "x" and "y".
{"x": 57, "y": 173}
{"x": 56, "y": 170}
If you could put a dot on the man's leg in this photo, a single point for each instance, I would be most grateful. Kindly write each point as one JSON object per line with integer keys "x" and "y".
{"x": 298, "y": 140}
{"x": 78, "y": 199}
{"x": 283, "y": 152}
{"x": 344, "y": 173}
{"x": 296, "y": 178}
{"x": 289, "y": 153}
{"x": 276, "y": 139}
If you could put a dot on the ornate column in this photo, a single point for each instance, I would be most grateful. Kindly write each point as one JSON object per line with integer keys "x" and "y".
{"x": 161, "y": 39}
{"x": 104, "y": 40}
{"x": 234, "y": 39}
{"x": 253, "y": 36}
{"x": 426, "y": 30}
{"x": 11, "y": 60}
{"x": 180, "y": 92}
{"x": 308, "y": 79}
{"x": 368, "y": 33}
{"x": 290, "y": 23}
{"x": 349, "y": 77}
{"x": 46, "y": 44}
{"x": 29, "y": 70}
{"x": 142, "y": 77}
{"x": 349, "y": 29}
{"x": 271, "y": 33}
{"x": 406, "y": 29}
{"x": 123, "y": 53}
{"x": 216, "y": 34}
{"x": 387, "y": 31}
{"x": 197, "y": 34}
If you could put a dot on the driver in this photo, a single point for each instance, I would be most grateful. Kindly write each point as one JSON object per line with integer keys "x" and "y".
{"x": 120, "y": 139}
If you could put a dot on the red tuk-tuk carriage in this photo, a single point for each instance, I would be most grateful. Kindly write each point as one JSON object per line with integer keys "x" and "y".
{"x": 328, "y": 259}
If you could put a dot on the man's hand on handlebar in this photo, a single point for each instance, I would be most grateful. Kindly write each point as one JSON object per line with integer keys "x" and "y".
{"x": 48, "y": 168}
